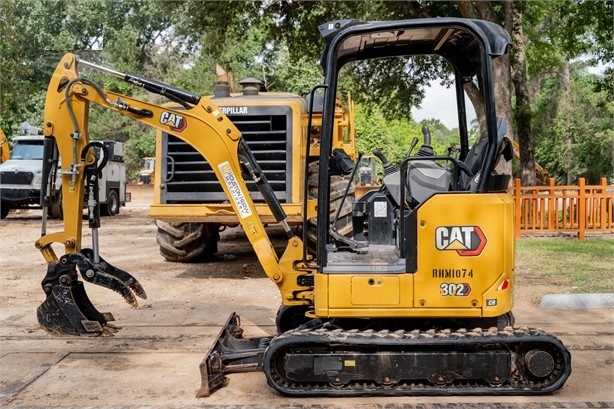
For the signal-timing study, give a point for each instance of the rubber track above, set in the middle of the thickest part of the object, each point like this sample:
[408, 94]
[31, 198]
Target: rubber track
[513, 339]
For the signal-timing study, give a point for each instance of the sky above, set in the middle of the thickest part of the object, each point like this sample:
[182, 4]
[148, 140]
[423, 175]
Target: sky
[440, 103]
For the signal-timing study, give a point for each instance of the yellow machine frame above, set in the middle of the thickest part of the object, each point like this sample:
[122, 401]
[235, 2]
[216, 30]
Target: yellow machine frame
[342, 294]
[399, 307]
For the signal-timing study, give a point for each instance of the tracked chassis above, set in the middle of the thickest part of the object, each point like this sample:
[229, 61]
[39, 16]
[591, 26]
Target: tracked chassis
[324, 362]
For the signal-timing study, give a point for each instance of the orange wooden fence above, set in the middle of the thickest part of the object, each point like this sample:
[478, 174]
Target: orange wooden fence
[578, 209]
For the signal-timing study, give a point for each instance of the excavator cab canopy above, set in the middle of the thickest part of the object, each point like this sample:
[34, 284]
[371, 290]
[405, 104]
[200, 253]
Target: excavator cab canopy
[463, 43]
[468, 45]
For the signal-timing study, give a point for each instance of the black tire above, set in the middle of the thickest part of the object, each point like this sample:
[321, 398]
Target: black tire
[111, 208]
[338, 185]
[56, 210]
[187, 242]
[4, 210]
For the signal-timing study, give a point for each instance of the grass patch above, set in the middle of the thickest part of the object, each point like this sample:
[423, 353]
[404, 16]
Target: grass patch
[587, 265]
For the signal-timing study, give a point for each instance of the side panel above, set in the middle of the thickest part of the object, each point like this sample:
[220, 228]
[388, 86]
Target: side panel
[465, 266]
[465, 253]
[363, 295]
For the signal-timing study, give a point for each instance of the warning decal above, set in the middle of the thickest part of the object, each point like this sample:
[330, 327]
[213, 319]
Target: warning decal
[235, 190]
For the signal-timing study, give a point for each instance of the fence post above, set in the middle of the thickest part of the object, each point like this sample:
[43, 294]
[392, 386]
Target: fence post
[517, 206]
[552, 205]
[603, 204]
[581, 207]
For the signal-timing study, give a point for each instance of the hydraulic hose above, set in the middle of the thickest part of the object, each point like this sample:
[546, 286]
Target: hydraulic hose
[264, 186]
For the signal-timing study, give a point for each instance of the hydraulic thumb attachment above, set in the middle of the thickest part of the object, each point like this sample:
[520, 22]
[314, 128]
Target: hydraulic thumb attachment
[67, 309]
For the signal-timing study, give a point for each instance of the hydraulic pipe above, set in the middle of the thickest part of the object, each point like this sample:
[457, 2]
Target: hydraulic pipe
[161, 88]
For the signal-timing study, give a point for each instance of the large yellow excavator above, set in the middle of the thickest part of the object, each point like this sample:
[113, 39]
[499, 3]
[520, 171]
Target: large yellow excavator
[417, 301]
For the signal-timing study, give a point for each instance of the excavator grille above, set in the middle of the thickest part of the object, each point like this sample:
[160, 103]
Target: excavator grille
[189, 178]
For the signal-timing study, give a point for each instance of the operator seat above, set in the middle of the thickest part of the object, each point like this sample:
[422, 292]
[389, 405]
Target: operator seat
[427, 178]
[476, 156]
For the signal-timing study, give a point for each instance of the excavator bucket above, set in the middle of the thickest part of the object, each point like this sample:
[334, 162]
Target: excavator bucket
[231, 353]
[67, 310]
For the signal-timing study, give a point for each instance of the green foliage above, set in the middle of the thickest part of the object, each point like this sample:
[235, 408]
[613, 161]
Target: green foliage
[561, 30]
[139, 145]
[394, 137]
[180, 42]
[574, 132]
[139, 140]
[393, 85]
[297, 74]
[374, 131]
[573, 123]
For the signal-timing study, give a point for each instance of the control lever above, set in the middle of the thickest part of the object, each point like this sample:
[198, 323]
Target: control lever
[427, 135]
[388, 166]
[426, 149]
[414, 142]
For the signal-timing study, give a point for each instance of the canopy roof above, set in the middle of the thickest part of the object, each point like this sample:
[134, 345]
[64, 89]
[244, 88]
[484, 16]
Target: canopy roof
[463, 42]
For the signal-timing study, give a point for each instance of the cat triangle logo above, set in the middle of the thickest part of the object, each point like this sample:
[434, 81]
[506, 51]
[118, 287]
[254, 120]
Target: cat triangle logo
[456, 245]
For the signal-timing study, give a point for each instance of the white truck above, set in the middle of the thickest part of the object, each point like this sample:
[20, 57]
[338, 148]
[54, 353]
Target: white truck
[21, 178]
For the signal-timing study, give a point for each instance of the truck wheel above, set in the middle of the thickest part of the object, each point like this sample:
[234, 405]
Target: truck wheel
[4, 210]
[187, 242]
[337, 188]
[111, 208]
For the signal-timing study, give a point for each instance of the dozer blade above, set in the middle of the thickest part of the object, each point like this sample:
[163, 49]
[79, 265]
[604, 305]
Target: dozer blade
[68, 311]
[230, 353]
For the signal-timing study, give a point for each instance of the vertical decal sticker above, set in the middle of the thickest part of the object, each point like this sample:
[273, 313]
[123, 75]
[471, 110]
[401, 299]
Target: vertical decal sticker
[235, 190]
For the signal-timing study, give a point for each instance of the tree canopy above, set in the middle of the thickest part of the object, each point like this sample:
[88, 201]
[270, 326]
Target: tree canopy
[560, 113]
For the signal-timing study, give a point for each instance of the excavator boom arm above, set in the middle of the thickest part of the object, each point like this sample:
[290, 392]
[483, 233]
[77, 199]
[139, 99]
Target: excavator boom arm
[197, 121]
[203, 126]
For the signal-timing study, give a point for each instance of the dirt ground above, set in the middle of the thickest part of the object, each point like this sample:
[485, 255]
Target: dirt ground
[153, 360]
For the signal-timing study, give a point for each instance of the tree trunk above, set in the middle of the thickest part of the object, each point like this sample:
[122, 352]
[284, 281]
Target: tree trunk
[501, 74]
[565, 106]
[523, 104]
[501, 65]
[477, 99]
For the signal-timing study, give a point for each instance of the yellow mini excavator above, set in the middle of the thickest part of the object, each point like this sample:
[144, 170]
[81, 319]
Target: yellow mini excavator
[417, 301]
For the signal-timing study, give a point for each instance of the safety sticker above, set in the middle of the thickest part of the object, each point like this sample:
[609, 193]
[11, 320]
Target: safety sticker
[235, 190]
